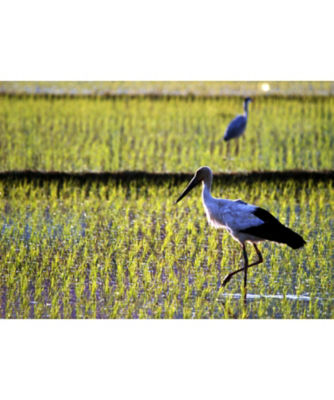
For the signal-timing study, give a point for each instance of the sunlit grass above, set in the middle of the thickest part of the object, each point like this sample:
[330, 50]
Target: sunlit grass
[164, 135]
[106, 251]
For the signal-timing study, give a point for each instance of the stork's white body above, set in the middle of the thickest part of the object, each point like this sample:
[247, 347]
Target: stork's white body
[245, 222]
[232, 215]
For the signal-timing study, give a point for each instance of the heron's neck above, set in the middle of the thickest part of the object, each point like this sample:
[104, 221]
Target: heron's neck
[246, 109]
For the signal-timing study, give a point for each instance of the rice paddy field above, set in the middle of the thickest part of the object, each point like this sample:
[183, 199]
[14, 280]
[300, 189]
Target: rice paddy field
[164, 135]
[115, 251]
[113, 248]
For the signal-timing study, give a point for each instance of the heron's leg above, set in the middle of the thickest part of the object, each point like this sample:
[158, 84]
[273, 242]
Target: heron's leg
[259, 261]
[237, 147]
[228, 149]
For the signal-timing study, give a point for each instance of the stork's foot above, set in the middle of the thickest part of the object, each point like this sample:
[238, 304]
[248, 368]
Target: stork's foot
[227, 279]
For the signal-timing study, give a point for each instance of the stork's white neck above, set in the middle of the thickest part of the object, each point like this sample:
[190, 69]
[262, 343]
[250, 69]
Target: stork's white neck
[206, 191]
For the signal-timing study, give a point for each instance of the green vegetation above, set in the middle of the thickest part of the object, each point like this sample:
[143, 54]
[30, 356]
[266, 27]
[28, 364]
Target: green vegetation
[166, 134]
[115, 247]
[117, 251]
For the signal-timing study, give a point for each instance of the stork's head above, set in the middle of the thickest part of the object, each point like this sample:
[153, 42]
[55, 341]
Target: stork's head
[248, 100]
[203, 174]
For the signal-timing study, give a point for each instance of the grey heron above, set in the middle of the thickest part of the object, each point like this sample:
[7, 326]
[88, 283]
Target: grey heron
[244, 222]
[238, 125]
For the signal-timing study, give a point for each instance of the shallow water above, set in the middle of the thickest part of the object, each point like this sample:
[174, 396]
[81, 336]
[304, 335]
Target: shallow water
[129, 254]
[250, 296]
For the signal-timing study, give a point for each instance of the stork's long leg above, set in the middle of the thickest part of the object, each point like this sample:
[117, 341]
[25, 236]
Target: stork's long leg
[259, 261]
[245, 265]
[245, 272]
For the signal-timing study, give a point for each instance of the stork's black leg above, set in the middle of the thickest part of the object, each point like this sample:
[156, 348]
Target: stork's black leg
[259, 261]
[245, 264]
[245, 271]
[258, 252]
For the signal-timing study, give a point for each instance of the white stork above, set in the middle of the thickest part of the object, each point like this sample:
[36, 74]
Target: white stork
[238, 125]
[245, 222]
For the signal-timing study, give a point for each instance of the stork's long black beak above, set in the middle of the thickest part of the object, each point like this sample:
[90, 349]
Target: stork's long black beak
[194, 182]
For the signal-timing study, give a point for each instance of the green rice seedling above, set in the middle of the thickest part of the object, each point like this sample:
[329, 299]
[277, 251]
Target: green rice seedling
[165, 134]
[102, 250]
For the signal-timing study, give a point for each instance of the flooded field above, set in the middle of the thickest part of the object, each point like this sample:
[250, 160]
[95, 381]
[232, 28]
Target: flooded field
[115, 245]
[168, 134]
[107, 250]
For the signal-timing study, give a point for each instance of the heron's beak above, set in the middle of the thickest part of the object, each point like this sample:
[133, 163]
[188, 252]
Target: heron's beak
[194, 182]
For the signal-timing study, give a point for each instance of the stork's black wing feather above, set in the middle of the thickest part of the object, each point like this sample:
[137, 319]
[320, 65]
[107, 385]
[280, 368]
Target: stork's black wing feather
[272, 229]
[265, 215]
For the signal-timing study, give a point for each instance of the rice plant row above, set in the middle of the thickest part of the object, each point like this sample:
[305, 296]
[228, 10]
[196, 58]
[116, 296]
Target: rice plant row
[164, 135]
[127, 251]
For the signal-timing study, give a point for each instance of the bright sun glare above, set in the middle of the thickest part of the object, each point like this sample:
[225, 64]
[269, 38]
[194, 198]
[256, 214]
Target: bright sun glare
[265, 87]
